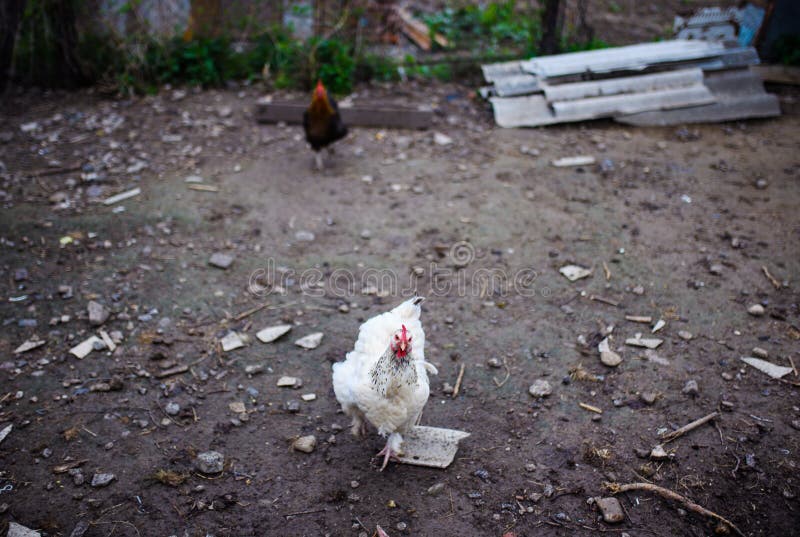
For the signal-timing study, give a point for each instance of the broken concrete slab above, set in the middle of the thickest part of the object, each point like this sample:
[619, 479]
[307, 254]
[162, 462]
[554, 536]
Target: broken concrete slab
[774, 371]
[431, 446]
[271, 333]
[310, 341]
[82, 349]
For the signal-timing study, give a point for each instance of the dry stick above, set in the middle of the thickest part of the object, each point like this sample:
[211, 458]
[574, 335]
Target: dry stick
[616, 488]
[604, 300]
[508, 374]
[775, 283]
[793, 366]
[686, 428]
[607, 271]
[458, 381]
[251, 311]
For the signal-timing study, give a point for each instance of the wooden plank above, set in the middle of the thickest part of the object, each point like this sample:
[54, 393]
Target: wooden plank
[418, 31]
[356, 116]
[611, 105]
[630, 58]
[615, 86]
[781, 74]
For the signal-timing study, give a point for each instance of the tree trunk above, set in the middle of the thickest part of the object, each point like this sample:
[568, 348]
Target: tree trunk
[10, 16]
[551, 27]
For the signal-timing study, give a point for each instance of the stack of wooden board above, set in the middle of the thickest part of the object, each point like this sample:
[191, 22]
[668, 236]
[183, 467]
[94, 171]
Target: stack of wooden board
[663, 83]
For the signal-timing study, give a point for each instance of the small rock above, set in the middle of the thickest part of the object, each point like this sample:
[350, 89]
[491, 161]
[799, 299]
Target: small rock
[530, 467]
[574, 272]
[611, 510]
[715, 269]
[80, 529]
[494, 363]
[221, 260]
[18, 530]
[271, 333]
[98, 314]
[210, 462]
[20, 274]
[344, 308]
[306, 444]
[796, 424]
[638, 290]
[292, 406]
[648, 398]
[610, 358]
[760, 353]
[435, 489]
[401, 526]
[685, 335]
[447, 388]
[310, 341]
[658, 453]
[224, 111]
[691, 388]
[102, 480]
[756, 310]
[726, 376]
[289, 382]
[237, 407]
[441, 139]
[308, 397]
[540, 388]
[231, 341]
[366, 234]
[761, 184]
[304, 236]
[254, 369]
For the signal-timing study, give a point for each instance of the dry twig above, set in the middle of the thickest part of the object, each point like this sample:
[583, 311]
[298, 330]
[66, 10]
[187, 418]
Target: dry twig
[669, 437]
[775, 283]
[616, 488]
[508, 374]
[458, 381]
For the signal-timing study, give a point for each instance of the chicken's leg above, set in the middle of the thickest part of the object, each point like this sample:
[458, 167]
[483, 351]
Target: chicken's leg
[392, 449]
[318, 160]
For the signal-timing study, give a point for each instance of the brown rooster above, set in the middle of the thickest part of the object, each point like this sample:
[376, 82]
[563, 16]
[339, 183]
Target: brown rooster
[322, 122]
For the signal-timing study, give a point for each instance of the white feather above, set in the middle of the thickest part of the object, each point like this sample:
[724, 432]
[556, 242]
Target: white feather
[401, 408]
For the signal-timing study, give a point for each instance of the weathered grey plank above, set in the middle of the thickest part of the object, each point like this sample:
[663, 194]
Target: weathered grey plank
[493, 71]
[731, 108]
[360, 116]
[520, 84]
[526, 111]
[612, 105]
[739, 93]
[615, 86]
[630, 58]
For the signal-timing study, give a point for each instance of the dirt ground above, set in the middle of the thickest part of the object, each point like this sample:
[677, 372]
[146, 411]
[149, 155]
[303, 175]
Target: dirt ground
[676, 224]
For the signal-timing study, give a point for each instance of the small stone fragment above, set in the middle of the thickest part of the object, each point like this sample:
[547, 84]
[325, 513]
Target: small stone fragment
[306, 444]
[540, 388]
[758, 352]
[756, 310]
[310, 341]
[690, 388]
[308, 397]
[231, 341]
[658, 453]
[210, 462]
[715, 269]
[172, 408]
[574, 272]
[648, 398]
[435, 489]
[289, 382]
[102, 480]
[611, 510]
[685, 335]
[237, 407]
[18, 530]
[271, 333]
[221, 260]
[98, 314]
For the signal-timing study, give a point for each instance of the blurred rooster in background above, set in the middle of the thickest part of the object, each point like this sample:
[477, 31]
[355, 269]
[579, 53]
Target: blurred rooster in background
[384, 379]
[322, 122]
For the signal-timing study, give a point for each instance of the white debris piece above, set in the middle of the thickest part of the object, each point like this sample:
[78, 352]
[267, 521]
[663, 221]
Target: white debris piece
[107, 340]
[82, 349]
[28, 345]
[581, 160]
[18, 530]
[648, 343]
[431, 446]
[122, 196]
[774, 371]
[661, 323]
[289, 382]
[307, 397]
[231, 341]
[310, 341]
[271, 333]
[574, 272]
[607, 356]
[5, 432]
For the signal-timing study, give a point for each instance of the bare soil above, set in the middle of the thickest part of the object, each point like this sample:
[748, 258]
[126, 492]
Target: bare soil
[668, 205]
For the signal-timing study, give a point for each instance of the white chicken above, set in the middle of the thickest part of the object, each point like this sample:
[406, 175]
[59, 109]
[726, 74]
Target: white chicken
[384, 379]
